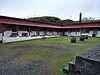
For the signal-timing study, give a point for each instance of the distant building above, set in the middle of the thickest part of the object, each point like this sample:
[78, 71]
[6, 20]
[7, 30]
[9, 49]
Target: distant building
[67, 21]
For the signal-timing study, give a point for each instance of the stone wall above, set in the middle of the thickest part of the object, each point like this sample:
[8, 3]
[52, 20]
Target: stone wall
[87, 63]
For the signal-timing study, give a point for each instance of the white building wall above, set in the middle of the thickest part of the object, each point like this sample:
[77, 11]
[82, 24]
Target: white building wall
[20, 32]
[49, 33]
[60, 33]
[0, 36]
[73, 33]
[66, 33]
[33, 33]
[78, 33]
[7, 33]
[13, 39]
[90, 33]
[41, 33]
[98, 34]
[55, 33]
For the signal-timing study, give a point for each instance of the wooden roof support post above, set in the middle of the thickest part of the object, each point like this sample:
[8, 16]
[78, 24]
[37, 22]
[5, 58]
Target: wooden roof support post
[75, 32]
[2, 30]
[80, 32]
[29, 30]
[63, 32]
[46, 31]
[57, 31]
[52, 31]
[69, 31]
[38, 31]
[17, 28]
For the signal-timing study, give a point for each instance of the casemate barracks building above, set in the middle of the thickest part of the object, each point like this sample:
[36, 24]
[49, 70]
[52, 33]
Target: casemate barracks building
[16, 29]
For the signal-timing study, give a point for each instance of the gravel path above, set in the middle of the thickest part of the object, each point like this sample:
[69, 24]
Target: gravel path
[33, 68]
[41, 47]
[37, 67]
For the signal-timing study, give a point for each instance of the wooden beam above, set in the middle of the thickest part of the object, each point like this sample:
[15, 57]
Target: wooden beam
[17, 28]
[29, 30]
[2, 29]
[38, 31]
[57, 31]
[46, 31]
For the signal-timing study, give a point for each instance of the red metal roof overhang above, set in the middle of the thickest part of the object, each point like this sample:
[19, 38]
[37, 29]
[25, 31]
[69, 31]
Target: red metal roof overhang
[95, 25]
[26, 23]
[15, 21]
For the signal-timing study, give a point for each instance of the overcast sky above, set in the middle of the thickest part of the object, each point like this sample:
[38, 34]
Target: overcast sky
[64, 9]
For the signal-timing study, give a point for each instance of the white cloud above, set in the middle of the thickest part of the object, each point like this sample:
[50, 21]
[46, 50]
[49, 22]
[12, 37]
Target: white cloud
[61, 8]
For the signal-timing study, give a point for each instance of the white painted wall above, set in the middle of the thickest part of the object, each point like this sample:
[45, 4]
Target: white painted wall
[49, 33]
[55, 33]
[13, 39]
[90, 33]
[41, 33]
[0, 36]
[60, 33]
[98, 34]
[66, 33]
[20, 32]
[32, 33]
[7, 33]
[78, 33]
[73, 33]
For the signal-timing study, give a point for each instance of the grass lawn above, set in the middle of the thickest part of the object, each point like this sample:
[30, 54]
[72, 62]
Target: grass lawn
[41, 57]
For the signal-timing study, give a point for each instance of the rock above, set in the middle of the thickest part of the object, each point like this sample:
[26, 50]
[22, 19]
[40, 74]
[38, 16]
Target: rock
[81, 38]
[73, 39]
[88, 63]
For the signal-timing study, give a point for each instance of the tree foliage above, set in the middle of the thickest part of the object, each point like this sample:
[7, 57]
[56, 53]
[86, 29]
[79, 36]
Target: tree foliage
[58, 21]
[46, 19]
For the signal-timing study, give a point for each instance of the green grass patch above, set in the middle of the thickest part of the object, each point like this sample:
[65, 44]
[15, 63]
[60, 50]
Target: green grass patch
[56, 53]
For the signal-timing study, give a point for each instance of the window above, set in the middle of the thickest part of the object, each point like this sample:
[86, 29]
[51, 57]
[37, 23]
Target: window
[13, 28]
[7, 27]
[87, 30]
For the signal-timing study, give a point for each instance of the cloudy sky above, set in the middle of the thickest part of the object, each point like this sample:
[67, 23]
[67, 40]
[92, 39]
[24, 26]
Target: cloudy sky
[64, 9]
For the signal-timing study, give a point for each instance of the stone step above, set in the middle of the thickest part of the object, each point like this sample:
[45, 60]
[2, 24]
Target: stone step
[69, 68]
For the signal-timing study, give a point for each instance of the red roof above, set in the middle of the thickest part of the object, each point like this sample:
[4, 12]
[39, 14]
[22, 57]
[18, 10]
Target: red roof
[17, 21]
[91, 25]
